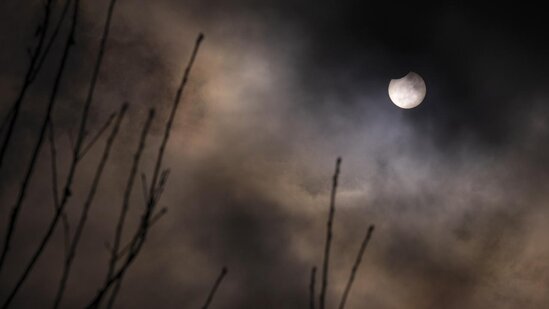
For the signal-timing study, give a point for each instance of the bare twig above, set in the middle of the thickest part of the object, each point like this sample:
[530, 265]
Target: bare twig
[51, 104]
[329, 237]
[100, 132]
[53, 154]
[356, 266]
[135, 247]
[6, 120]
[214, 288]
[87, 206]
[78, 145]
[163, 179]
[48, 46]
[55, 186]
[155, 191]
[118, 283]
[155, 218]
[144, 184]
[28, 80]
[126, 204]
[312, 288]
[171, 118]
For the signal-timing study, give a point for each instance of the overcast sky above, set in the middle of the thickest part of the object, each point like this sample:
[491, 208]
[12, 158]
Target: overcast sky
[457, 187]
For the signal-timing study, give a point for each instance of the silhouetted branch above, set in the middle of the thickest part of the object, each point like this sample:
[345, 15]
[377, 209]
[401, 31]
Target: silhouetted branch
[144, 185]
[155, 218]
[78, 145]
[329, 237]
[163, 179]
[312, 288]
[214, 288]
[6, 121]
[86, 148]
[87, 206]
[55, 32]
[154, 192]
[126, 204]
[171, 118]
[28, 80]
[55, 186]
[22, 192]
[53, 154]
[356, 266]
[134, 248]
[158, 216]
[118, 283]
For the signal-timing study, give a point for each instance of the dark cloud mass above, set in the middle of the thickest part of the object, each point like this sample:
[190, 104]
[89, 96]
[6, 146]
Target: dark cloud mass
[457, 188]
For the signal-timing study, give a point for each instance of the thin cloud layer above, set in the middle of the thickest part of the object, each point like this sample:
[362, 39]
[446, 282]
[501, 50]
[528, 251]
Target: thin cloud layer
[456, 188]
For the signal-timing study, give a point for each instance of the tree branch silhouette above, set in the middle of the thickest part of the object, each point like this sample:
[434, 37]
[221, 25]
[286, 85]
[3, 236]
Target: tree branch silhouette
[356, 266]
[215, 287]
[55, 186]
[312, 288]
[157, 185]
[87, 206]
[96, 137]
[30, 169]
[331, 214]
[28, 79]
[76, 150]
[125, 205]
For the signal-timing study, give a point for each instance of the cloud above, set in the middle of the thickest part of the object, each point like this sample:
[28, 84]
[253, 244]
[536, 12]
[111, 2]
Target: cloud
[456, 188]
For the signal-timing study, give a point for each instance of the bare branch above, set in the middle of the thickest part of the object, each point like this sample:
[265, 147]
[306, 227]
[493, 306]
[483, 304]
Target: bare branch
[329, 237]
[28, 80]
[171, 118]
[215, 287]
[100, 132]
[155, 191]
[87, 206]
[144, 184]
[312, 288]
[126, 204]
[163, 180]
[6, 120]
[48, 46]
[356, 266]
[155, 218]
[74, 163]
[55, 187]
[30, 169]
[53, 155]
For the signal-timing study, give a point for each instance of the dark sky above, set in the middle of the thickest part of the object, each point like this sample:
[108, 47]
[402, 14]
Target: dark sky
[457, 187]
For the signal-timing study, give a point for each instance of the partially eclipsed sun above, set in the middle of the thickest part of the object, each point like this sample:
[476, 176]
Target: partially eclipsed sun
[407, 92]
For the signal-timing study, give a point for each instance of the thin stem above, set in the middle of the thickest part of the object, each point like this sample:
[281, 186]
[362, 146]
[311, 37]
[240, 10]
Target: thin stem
[171, 118]
[55, 32]
[144, 185]
[6, 120]
[100, 132]
[28, 80]
[55, 186]
[126, 248]
[53, 154]
[356, 266]
[126, 203]
[215, 287]
[79, 141]
[87, 205]
[135, 247]
[312, 288]
[30, 169]
[329, 237]
[155, 192]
